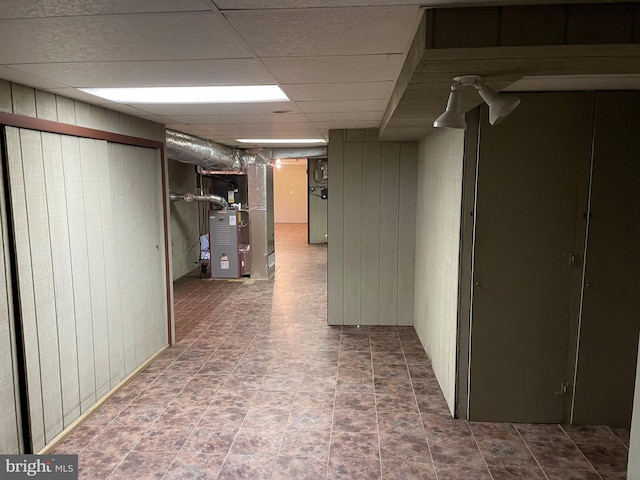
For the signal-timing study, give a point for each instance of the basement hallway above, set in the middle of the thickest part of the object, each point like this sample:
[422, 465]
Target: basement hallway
[259, 387]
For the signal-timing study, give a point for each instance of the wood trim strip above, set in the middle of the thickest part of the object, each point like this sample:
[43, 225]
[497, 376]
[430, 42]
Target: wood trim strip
[39, 124]
[165, 216]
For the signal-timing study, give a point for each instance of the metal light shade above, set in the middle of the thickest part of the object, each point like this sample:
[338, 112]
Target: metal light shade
[500, 106]
[452, 116]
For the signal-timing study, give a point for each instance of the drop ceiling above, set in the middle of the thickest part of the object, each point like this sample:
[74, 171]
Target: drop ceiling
[338, 61]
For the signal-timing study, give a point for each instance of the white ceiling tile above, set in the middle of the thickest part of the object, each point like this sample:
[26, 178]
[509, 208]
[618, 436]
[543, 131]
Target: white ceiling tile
[352, 68]
[263, 108]
[236, 134]
[331, 31]
[287, 128]
[155, 118]
[258, 4]
[60, 8]
[13, 75]
[160, 36]
[339, 91]
[343, 106]
[264, 126]
[285, 4]
[256, 119]
[80, 95]
[345, 117]
[245, 71]
[337, 125]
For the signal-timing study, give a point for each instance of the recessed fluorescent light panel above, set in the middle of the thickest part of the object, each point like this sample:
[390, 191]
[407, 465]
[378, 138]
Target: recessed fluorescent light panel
[280, 140]
[218, 94]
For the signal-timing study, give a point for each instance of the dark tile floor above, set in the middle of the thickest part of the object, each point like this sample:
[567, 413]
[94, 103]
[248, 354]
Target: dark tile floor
[259, 387]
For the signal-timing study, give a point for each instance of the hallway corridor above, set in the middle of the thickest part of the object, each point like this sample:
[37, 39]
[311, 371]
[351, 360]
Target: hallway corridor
[259, 387]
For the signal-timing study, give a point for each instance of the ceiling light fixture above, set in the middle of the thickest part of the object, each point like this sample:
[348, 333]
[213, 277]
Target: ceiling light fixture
[259, 141]
[452, 117]
[212, 94]
[500, 105]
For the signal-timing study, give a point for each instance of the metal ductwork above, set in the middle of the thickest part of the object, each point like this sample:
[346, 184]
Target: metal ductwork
[194, 197]
[213, 156]
[198, 151]
[282, 153]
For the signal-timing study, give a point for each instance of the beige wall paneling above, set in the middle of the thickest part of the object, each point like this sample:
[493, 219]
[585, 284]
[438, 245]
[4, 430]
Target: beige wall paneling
[62, 276]
[364, 216]
[352, 239]
[120, 201]
[66, 110]
[33, 158]
[6, 104]
[136, 203]
[125, 122]
[143, 197]
[372, 196]
[129, 239]
[153, 246]
[10, 428]
[610, 320]
[407, 231]
[95, 243]
[46, 105]
[26, 282]
[185, 223]
[24, 100]
[317, 207]
[42, 271]
[113, 121]
[436, 259]
[80, 266]
[158, 273]
[110, 251]
[83, 114]
[98, 118]
[390, 188]
[335, 225]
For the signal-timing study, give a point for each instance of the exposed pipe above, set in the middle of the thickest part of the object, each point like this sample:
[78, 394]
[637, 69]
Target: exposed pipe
[305, 152]
[199, 151]
[207, 197]
[213, 156]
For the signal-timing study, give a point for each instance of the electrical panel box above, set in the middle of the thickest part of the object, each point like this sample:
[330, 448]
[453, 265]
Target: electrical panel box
[223, 245]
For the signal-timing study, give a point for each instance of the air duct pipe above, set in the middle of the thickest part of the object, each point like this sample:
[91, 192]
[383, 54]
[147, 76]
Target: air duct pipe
[282, 153]
[207, 197]
[199, 151]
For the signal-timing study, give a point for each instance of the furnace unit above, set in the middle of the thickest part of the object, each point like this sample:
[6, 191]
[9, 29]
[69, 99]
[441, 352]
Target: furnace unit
[224, 246]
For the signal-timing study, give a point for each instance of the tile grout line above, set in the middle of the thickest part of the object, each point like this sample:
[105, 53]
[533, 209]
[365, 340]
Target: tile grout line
[580, 450]
[475, 440]
[530, 451]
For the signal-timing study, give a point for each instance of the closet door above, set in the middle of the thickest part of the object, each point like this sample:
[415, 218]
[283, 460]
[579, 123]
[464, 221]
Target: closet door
[527, 193]
[610, 322]
[10, 432]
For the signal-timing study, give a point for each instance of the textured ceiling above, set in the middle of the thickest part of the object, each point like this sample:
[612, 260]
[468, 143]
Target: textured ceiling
[342, 63]
[337, 61]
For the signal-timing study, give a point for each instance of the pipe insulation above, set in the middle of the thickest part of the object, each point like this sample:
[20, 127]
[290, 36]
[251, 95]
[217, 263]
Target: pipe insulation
[194, 197]
[199, 151]
[212, 156]
[290, 152]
